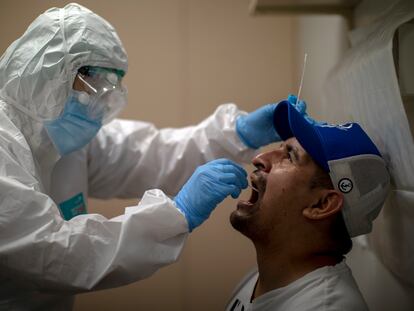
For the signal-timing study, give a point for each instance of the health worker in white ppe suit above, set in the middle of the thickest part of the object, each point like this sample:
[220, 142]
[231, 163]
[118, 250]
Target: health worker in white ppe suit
[60, 89]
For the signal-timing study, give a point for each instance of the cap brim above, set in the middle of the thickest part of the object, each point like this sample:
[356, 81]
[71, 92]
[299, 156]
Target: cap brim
[288, 122]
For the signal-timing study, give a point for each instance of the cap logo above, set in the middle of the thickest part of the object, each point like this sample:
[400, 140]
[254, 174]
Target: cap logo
[345, 126]
[345, 185]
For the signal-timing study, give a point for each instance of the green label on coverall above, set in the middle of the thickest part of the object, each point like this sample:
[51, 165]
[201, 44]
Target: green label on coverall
[73, 207]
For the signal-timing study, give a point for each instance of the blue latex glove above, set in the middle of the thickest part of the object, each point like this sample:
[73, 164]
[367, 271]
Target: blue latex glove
[256, 128]
[301, 107]
[210, 184]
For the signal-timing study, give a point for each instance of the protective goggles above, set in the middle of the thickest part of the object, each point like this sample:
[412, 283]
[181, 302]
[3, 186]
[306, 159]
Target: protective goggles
[101, 91]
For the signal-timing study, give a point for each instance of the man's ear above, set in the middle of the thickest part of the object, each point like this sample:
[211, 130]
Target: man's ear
[329, 202]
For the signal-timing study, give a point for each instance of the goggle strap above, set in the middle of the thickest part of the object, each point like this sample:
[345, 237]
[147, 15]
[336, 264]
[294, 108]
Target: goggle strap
[92, 70]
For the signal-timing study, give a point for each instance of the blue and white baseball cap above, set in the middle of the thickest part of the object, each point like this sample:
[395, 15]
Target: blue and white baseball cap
[352, 160]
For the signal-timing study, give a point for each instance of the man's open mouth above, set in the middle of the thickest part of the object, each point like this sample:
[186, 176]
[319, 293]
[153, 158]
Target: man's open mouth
[257, 189]
[254, 196]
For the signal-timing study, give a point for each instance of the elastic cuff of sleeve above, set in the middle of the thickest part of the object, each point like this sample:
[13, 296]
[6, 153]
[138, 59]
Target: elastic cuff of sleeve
[241, 136]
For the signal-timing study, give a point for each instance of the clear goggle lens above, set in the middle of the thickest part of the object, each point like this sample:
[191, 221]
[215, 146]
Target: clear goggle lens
[101, 91]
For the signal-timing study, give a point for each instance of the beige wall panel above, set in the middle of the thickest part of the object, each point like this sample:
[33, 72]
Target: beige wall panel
[186, 57]
[233, 57]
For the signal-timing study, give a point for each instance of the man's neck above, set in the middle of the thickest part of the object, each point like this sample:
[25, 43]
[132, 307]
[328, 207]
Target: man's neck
[281, 269]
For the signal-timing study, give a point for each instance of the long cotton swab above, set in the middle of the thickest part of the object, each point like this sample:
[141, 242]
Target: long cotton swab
[301, 78]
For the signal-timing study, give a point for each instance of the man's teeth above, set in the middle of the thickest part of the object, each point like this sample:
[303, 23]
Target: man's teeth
[253, 187]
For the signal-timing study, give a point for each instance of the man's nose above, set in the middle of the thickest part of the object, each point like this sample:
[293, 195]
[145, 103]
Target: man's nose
[263, 161]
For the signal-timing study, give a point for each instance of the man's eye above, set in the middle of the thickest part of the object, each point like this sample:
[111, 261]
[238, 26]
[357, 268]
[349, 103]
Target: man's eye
[289, 155]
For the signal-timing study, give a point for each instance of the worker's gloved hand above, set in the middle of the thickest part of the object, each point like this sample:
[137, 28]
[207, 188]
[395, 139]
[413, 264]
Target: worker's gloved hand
[256, 128]
[210, 184]
[301, 107]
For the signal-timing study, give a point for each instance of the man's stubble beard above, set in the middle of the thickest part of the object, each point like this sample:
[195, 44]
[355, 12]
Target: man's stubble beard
[248, 226]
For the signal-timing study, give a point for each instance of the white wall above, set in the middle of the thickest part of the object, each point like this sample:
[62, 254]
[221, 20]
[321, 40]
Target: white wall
[324, 38]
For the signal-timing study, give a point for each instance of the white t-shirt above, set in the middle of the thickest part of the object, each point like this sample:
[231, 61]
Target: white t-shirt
[325, 289]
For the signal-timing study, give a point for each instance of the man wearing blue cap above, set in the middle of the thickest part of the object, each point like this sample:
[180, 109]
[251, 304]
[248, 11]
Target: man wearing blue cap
[321, 186]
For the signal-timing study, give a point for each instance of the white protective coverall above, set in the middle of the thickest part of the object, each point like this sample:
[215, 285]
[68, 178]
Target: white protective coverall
[44, 259]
